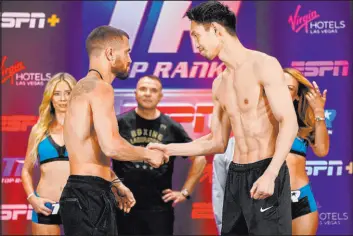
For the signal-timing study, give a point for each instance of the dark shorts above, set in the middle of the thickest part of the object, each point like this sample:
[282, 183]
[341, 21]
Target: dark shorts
[244, 215]
[303, 201]
[88, 207]
[142, 222]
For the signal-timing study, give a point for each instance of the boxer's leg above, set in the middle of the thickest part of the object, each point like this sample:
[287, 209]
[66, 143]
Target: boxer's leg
[272, 215]
[130, 223]
[86, 207]
[233, 221]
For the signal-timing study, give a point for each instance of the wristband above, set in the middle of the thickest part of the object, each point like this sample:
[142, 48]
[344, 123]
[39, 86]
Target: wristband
[319, 118]
[30, 195]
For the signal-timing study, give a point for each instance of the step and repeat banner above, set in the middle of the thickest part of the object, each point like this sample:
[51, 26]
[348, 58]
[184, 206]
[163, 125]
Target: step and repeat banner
[42, 38]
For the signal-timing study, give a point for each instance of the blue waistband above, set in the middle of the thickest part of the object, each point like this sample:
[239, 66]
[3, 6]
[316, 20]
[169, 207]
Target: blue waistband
[305, 191]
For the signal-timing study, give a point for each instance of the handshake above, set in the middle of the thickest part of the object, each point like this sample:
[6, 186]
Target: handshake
[157, 154]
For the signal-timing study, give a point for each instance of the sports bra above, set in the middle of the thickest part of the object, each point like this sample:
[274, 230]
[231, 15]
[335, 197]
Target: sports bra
[49, 150]
[299, 146]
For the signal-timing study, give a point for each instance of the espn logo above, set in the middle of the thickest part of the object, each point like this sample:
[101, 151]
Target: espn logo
[16, 19]
[190, 107]
[197, 114]
[328, 168]
[33, 19]
[15, 211]
[321, 68]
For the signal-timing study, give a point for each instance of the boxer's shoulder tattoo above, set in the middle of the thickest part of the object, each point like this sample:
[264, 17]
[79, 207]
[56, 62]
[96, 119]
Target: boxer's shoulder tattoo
[84, 86]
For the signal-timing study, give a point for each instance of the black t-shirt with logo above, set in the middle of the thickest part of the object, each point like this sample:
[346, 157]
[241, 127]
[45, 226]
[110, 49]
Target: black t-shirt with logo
[146, 182]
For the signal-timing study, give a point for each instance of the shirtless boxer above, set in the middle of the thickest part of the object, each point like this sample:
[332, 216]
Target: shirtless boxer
[251, 98]
[91, 138]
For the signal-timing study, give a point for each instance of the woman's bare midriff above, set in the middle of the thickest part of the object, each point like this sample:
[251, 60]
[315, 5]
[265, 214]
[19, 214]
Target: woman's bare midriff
[297, 172]
[53, 179]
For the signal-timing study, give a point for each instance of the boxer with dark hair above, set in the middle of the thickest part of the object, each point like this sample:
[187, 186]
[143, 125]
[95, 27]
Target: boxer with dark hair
[250, 98]
[309, 105]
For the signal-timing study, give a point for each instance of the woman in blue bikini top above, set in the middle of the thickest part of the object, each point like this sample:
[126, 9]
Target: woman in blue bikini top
[46, 145]
[309, 104]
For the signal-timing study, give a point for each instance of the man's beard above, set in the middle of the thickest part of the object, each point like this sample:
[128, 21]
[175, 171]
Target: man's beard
[120, 74]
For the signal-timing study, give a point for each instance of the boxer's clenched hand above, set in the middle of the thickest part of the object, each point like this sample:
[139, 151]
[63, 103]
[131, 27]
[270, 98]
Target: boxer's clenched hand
[264, 186]
[124, 197]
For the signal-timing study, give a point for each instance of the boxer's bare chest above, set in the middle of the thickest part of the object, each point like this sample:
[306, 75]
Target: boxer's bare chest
[239, 91]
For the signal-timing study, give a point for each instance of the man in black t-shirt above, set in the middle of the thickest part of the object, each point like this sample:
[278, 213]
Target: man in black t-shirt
[152, 187]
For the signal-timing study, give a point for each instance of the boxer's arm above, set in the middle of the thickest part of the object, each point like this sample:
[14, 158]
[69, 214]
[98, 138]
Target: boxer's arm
[272, 78]
[215, 142]
[105, 123]
[115, 179]
[205, 137]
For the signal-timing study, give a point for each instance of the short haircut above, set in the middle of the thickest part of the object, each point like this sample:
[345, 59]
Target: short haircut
[102, 35]
[213, 11]
[153, 77]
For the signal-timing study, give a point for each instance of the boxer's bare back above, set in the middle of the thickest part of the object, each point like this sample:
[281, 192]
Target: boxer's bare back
[91, 133]
[253, 114]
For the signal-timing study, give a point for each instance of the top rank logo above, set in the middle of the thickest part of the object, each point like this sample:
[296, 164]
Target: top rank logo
[310, 25]
[31, 20]
[163, 18]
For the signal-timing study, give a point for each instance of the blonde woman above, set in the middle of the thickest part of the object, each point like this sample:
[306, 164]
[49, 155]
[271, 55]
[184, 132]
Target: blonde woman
[46, 145]
[309, 105]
